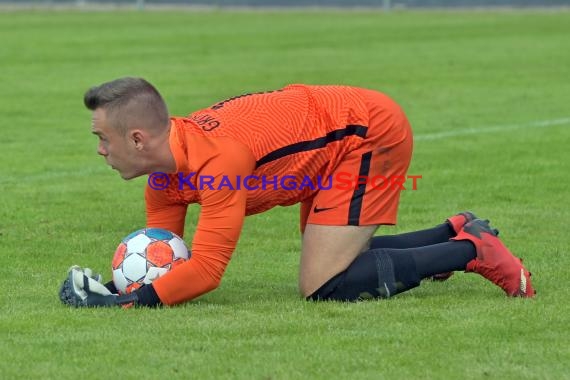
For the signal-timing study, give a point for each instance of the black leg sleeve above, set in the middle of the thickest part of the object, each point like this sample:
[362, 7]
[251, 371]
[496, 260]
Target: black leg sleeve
[373, 274]
[384, 272]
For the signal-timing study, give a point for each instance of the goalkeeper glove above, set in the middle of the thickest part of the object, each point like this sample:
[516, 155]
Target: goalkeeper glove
[83, 288]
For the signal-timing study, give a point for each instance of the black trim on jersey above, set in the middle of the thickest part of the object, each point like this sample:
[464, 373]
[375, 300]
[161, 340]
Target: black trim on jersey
[321, 142]
[223, 102]
[356, 201]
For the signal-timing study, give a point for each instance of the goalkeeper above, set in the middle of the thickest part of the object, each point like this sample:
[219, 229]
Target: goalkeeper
[301, 131]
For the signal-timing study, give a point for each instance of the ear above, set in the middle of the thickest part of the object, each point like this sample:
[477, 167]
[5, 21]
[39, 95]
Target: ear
[138, 138]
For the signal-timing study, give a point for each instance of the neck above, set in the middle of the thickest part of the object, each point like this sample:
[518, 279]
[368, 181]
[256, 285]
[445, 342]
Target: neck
[164, 159]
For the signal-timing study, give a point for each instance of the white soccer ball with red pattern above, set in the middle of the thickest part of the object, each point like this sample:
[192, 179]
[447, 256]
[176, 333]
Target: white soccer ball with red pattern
[145, 255]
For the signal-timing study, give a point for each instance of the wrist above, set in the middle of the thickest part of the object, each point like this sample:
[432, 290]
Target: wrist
[111, 286]
[147, 296]
[143, 296]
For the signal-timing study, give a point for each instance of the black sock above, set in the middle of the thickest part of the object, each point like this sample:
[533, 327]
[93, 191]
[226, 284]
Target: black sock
[385, 272]
[440, 258]
[438, 234]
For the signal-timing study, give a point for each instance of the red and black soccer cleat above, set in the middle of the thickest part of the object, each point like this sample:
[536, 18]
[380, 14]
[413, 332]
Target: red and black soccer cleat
[456, 222]
[494, 261]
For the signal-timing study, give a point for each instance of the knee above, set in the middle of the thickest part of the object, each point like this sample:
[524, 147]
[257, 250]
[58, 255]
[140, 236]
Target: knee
[306, 288]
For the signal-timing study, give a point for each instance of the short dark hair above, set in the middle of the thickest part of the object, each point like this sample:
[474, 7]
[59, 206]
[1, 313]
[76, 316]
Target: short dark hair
[127, 99]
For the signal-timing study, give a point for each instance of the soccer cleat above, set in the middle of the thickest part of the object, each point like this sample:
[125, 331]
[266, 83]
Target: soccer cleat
[458, 221]
[494, 261]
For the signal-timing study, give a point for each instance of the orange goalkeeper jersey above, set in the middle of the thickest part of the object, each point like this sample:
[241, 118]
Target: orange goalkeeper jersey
[243, 156]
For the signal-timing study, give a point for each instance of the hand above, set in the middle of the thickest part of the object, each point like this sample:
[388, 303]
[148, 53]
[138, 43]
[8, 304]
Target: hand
[95, 276]
[83, 288]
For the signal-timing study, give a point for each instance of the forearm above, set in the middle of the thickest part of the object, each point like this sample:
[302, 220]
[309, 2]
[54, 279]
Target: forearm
[190, 280]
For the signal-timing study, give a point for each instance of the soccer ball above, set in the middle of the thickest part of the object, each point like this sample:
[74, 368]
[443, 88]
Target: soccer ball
[145, 255]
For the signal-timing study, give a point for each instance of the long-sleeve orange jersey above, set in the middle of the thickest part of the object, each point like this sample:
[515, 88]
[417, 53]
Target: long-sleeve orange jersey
[299, 131]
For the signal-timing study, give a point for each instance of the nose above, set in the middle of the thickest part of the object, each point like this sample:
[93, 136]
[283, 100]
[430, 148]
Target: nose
[101, 151]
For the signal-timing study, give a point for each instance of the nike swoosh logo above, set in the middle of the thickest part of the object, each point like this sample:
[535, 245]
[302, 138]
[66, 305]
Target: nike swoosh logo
[316, 209]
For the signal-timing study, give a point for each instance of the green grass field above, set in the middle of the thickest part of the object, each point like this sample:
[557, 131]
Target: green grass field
[488, 95]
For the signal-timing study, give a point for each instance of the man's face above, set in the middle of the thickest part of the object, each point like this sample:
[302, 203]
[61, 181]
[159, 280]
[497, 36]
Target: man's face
[120, 151]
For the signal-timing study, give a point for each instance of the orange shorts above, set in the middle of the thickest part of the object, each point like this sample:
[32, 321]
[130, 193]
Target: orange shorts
[366, 184]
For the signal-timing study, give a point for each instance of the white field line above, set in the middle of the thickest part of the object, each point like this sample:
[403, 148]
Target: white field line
[52, 176]
[491, 129]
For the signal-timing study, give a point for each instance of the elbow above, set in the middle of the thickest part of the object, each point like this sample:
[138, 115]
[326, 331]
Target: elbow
[213, 284]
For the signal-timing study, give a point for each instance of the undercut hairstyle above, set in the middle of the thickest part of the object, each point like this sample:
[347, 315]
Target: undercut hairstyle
[129, 102]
